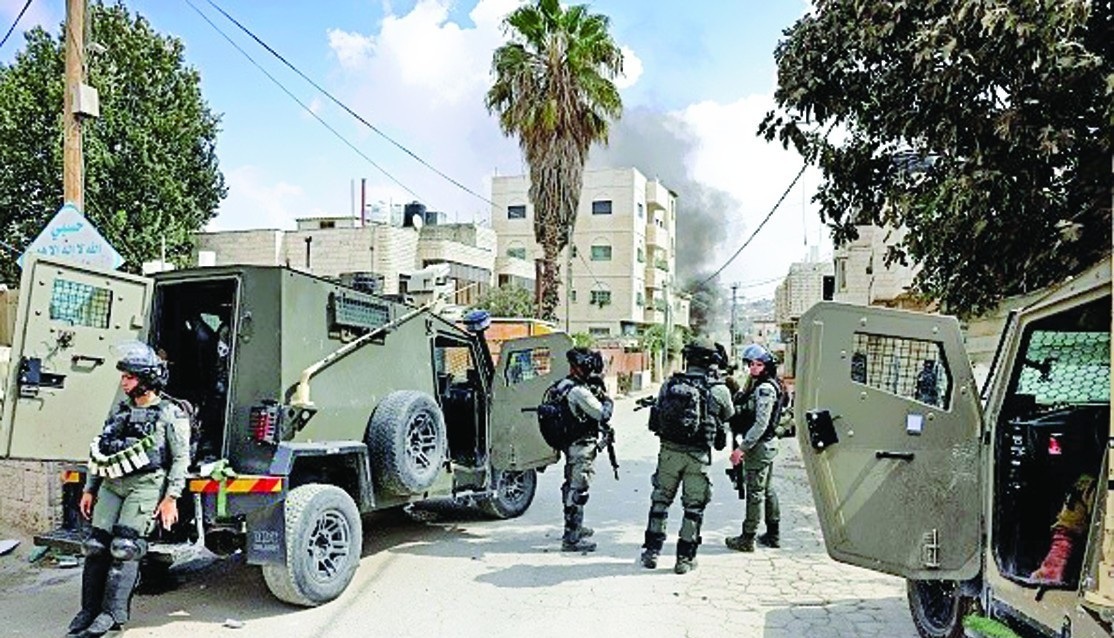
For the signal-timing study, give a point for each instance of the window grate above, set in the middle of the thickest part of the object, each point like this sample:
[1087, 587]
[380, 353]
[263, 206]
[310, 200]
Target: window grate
[80, 304]
[1067, 367]
[352, 312]
[523, 365]
[905, 367]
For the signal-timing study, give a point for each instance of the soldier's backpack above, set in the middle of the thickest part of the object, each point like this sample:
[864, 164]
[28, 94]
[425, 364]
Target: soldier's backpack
[681, 409]
[554, 416]
[195, 422]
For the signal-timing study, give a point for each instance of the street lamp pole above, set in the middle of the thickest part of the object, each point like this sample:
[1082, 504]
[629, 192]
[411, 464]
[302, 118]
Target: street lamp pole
[73, 179]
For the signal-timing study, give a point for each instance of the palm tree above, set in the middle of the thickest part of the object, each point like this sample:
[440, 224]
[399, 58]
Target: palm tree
[553, 90]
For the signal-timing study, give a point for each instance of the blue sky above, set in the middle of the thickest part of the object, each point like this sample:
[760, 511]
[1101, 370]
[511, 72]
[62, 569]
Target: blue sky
[417, 69]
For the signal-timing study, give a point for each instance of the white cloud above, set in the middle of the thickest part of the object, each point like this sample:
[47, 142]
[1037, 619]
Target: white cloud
[255, 202]
[730, 156]
[632, 69]
[351, 49]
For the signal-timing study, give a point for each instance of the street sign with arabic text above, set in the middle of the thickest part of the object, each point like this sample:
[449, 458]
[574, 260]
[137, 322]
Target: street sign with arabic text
[71, 236]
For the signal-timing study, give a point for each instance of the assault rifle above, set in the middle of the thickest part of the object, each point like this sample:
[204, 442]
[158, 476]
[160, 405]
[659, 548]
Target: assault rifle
[738, 480]
[645, 402]
[608, 441]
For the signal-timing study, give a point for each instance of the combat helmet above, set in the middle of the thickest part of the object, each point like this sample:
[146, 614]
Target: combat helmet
[148, 367]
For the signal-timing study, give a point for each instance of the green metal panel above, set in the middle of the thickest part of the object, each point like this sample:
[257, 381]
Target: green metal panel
[900, 491]
[526, 368]
[69, 318]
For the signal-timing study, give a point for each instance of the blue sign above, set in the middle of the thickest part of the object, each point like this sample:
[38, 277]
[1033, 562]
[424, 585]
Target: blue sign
[70, 236]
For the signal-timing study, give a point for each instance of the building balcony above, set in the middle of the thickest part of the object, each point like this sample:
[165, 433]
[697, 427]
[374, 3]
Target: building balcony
[649, 315]
[657, 196]
[656, 277]
[657, 236]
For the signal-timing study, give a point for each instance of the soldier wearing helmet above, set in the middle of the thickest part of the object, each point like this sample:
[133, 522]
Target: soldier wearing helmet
[688, 417]
[137, 469]
[756, 447]
[585, 409]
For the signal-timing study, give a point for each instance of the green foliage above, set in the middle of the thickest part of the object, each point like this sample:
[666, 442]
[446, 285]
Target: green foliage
[151, 169]
[983, 128]
[583, 340]
[507, 301]
[553, 90]
[652, 339]
[988, 627]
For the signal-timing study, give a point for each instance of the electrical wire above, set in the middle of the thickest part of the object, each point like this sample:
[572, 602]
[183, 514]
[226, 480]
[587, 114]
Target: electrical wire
[12, 28]
[345, 107]
[300, 103]
[765, 219]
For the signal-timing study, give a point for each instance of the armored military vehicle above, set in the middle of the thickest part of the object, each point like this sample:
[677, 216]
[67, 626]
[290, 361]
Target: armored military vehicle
[979, 500]
[316, 403]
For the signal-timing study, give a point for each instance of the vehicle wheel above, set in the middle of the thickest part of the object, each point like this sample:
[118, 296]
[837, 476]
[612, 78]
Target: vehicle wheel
[324, 536]
[511, 495]
[406, 442]
[938, 607]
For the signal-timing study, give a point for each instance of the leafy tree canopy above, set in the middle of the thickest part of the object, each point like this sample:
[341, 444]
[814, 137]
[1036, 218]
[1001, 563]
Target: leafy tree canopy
[151, 173]
[982, 127]
[507, 301]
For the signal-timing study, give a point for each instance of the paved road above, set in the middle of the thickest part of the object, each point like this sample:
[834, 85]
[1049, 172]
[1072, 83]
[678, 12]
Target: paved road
[450, 573]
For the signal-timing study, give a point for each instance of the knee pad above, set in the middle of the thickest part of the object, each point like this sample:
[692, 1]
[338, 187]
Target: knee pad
[694, 516]
[97, 544]
[127, 544]
[580, 497]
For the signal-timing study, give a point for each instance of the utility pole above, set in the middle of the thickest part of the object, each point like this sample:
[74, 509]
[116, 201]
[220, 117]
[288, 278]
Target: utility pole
[668, 330]
[73, 178]
[734, 289]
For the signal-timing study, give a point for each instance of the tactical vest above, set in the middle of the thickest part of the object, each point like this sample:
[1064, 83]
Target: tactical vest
[131, 442]
[750, 410]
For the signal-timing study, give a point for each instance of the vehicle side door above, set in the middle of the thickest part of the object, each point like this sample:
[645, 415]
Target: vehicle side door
[526, 368]
[63, 379]
[889, 422]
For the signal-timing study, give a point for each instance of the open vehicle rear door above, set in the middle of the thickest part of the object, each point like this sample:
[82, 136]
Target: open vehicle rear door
[889, 423]
[525, 369]
[63, 378]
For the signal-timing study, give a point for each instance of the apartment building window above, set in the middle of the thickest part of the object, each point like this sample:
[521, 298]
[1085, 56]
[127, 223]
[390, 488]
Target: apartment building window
[516, 212]
[640, 255]
[601, 298]
[601, 207]
[641, 212]
[841, 274]
[572, 296]
[601, 252]
[597, 331]
[639, 300]
[518, 252]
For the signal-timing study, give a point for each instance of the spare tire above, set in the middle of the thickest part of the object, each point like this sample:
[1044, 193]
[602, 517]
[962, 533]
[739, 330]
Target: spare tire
[406, 442]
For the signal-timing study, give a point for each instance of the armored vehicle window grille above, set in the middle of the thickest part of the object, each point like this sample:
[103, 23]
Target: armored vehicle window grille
[1066, 367]
[905, 367]
[359, 313]
[455, 360]
[80, 304]
[523, 365]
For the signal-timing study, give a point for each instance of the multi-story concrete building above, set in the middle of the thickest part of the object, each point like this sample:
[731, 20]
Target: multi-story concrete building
[862, 276]
[388, 254]
[799, 291]
[623, 259]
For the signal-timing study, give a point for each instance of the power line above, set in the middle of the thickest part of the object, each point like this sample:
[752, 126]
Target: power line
[770, 214]
[345, 107]
[300, 103]
[12, 28]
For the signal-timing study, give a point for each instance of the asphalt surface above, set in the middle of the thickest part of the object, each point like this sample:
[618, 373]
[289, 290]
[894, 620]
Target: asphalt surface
[445, 571]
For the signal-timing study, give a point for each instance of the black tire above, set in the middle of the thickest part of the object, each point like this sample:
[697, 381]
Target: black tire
[512, 492]
[324, 536]
[406, 442]
[938, 607]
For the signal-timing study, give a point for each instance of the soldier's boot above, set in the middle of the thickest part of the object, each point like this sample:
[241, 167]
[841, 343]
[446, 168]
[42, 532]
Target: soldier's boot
[741, 543]
[585, 532]
[573, 539]
[686, 557]
[123, 576]
[1051, 570]
[93, 576]
[651, 549]
[772, 537]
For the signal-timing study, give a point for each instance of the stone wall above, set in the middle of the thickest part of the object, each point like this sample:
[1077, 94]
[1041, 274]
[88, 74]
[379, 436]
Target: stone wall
[30, 495]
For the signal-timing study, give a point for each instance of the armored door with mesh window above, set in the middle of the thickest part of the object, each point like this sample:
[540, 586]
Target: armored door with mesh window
[889, 423]
[62, 379]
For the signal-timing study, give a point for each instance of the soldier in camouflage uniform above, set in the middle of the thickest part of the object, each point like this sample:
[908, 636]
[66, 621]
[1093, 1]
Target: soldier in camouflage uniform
[588, 407]
[683, 464]
[137, 470]
[756, 448]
